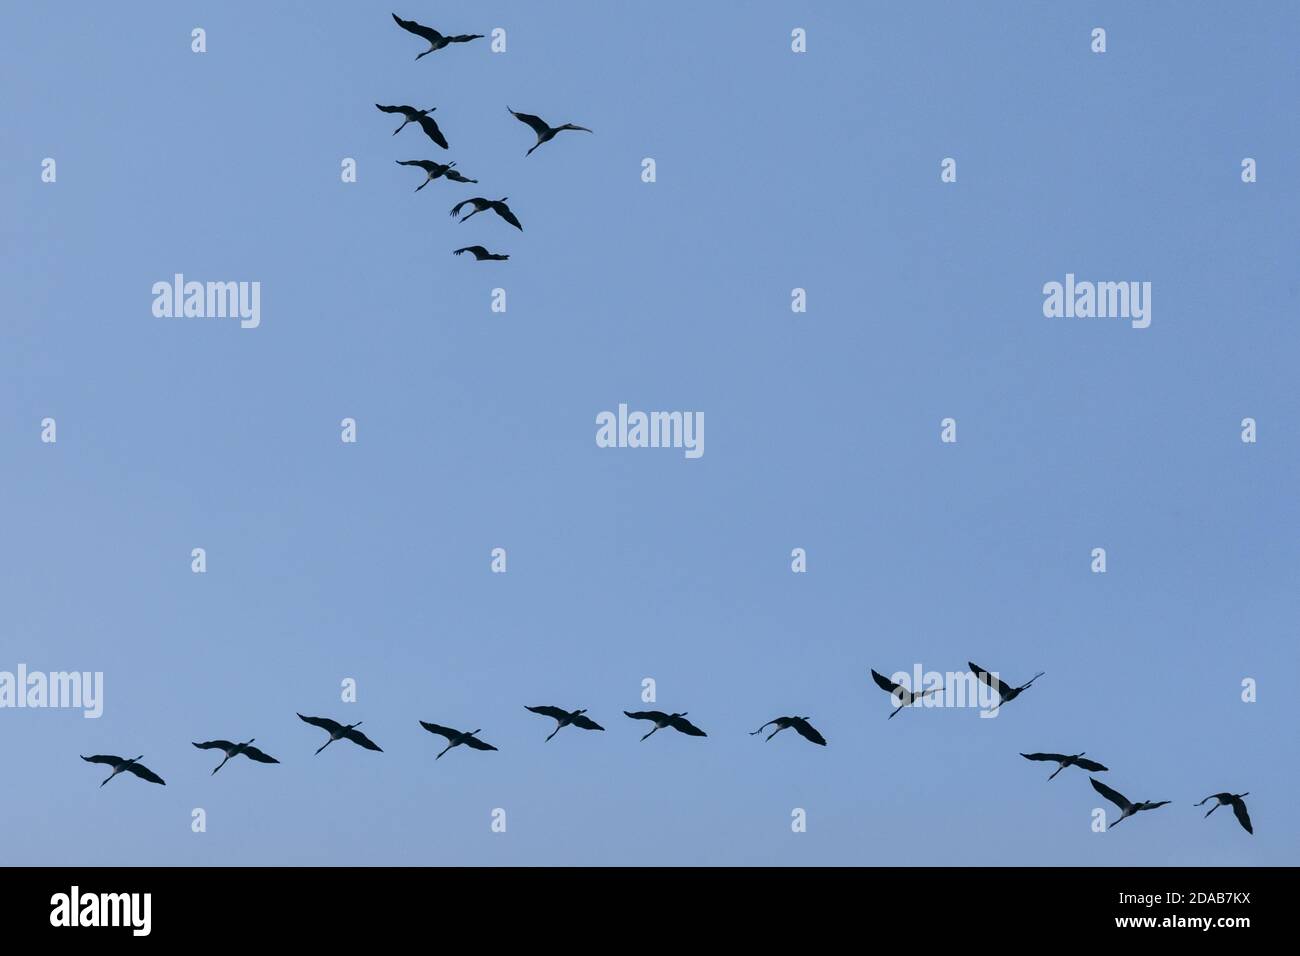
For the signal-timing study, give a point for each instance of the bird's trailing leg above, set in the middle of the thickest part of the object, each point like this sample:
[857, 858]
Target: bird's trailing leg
[400, 128]
[1212, 809]
[223, 762]
[555, 731]
[775, 732]
[1057, 770]
[444, 750]
[651, 732]
[325, 744]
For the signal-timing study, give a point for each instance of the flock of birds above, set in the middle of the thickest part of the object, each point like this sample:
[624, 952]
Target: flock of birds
[435, 170]
[899, 695]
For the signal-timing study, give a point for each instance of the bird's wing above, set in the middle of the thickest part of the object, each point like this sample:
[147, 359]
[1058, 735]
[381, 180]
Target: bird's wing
[456, 177]
[144, 773]
[428, 165]
[464, 37]
[431, 130]
[686, 727]
[214, 745]
[548, 711]
[102, 758]
[586, 723]
[252, 753]
[357, 737]
[502, 210]
[997, 683]
[448, 732]
[1239, 808]
[1152, 806]
[808, 731]
[574, 126]
[645, 714]
[1114, 796]
[884, 683]
[392, 109]
[324, 723]
[478, 744]
[455, 211]
[536, 122]
[1091, 765]
[1056, 757]
[419, 29]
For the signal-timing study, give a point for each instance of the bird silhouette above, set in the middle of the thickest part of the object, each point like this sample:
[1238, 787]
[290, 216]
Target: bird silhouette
[1006, 693]
[418, 116]
[234, 750]
[436, 40]
[120, 764]
[480, 253]
[1238, 807]
[902, 696]
[544, 132]
[661, 720]
[456, 737]
[339, 731]
[1068, 760]
[1126, 806]
[563, 718]
[806, 730]
[498, 206]
[434, 170]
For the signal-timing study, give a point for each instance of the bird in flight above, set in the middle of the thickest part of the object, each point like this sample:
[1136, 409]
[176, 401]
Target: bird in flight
[902, 696]
[544, 132]
[436, 40]
[234, 750]
[121, 763]
[806, 730]
[339, 731]
[1127, 808]
[434, 170]
[563, 718]
[1238, 807]
[418, 116]
[1006, 693]
[661, 720]
[1068, 760]
[456, 738]
[480, 253]
[498, 206]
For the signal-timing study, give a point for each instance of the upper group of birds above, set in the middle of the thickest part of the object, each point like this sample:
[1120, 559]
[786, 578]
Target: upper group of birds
[900, 696]
[435, 170]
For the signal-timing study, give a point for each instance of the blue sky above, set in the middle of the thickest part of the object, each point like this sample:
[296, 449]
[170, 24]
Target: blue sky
[476, 430]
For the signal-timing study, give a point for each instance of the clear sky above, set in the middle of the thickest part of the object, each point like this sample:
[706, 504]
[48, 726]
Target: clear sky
[476, 430]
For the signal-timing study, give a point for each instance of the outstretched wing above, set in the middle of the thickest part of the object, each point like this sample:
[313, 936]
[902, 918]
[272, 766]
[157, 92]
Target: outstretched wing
[215, 745]
[1151, 806]
[1057, 757]
[144, 773]
[456, 177]
[997, 683]
[449, 732]
[419, 29]
[431, 130]
[884, 683]
[1239, 808]
[455, 211]
[478, 252]
[1114, 796]
[808, 731]
[252, 753]
[502, 210]
[686, 727]
[392, 109]
[464, 37]
[324, 723]
[428, 165]
[102, 758]
[536, 122]
[586, 723]
[548, 711]
[1091, 765]
[357, 737]
[478, 744]
[655, 715]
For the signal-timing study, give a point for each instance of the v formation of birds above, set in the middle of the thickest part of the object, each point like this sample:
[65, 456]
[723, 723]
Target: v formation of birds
[901, 696]
[448, 171]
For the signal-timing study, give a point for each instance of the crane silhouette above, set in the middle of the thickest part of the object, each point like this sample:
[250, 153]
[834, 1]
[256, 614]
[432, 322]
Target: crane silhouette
[805, 730]
[434, 170]
[1126, 806]
[339, 731]
[1006, 693]
[902, 696]
[563, 718]
[456, 737]
[234, 750]
[544, 132]
[480, 253]
[498, 206]
[436, 40]
[418, 116]
[1068, 760]
[661, 720]
[1238, 807]
[120, 764]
